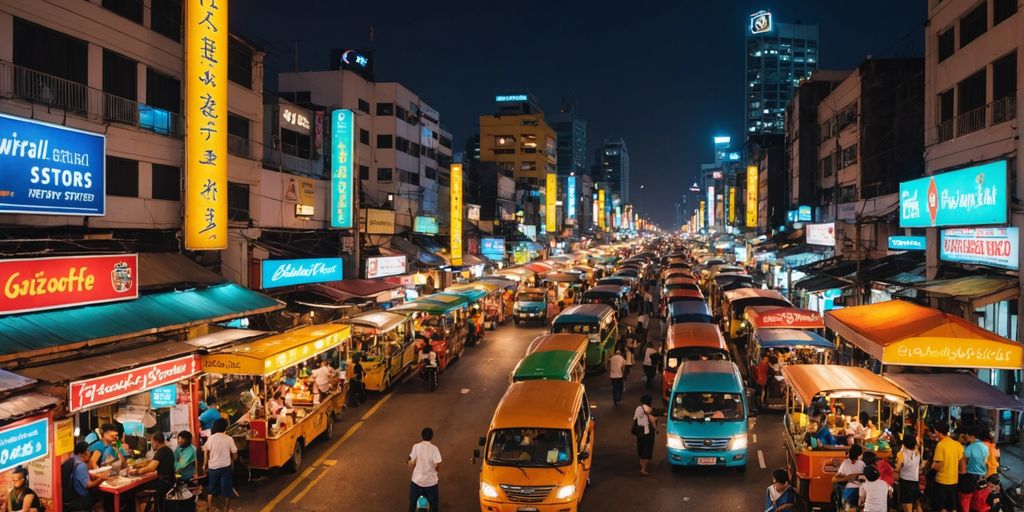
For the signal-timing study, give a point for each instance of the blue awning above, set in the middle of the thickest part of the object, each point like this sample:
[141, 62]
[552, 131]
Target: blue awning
[789, 338]
[149, 314]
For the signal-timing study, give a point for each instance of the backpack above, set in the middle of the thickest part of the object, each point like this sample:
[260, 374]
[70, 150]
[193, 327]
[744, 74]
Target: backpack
[67, 483]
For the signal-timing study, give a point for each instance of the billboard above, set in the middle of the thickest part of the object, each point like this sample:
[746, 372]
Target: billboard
[752, 185]
[821, 234]
[973, 196]
[493, 248]
[907, 243]
[570, 197]
[711, 206]
[761, 22]
[994, 247]
[732, 205]
[384, 266]
[425, 225]
[803, 214]
[342, 181]
[601, 209]
[550, 200]
[379, 222]
[277, 273]
[36, 284]
[206, 126]
[46, 169]
[455, 230]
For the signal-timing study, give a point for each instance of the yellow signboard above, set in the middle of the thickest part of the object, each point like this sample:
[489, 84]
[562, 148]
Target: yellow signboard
[752, 185]
[63, 436]
[550, 196]
[206, 124]
[600, 209]
[732, 205]
[456, 214]
[953, 353]
[700, 213]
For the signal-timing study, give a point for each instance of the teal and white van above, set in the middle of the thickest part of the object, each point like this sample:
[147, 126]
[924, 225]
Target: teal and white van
[707, 416]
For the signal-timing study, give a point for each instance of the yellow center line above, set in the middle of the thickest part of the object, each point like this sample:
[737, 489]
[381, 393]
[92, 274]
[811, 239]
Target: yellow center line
[272, 504]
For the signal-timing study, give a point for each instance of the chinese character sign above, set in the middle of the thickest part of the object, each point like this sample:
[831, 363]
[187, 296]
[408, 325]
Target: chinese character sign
[732, 205]
[342, 137]
[752, 185]
[206, 131]
[550, 196]
[600, 209]
[456, 214]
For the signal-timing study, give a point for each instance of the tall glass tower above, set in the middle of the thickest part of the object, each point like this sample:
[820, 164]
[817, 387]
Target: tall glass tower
[778, 56]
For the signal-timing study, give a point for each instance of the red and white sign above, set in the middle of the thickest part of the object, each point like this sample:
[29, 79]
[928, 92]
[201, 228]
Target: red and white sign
[83, 394]
[784, 318]
[35, 284]
[821, 234]
[385, 266]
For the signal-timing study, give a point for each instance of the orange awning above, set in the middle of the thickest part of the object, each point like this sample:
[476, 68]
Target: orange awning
[810, 380]
[902, 333]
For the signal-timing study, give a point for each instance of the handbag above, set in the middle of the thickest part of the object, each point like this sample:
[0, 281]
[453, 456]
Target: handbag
[636, 430]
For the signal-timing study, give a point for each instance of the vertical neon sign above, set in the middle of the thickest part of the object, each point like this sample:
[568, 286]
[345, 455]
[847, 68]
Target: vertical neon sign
[455, 230]
[342, 137]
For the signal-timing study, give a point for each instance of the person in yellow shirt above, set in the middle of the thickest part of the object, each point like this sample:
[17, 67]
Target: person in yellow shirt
[992, 462]
[946, 463]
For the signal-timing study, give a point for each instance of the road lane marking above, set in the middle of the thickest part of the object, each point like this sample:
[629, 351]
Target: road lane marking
[272, 504]
[760, 459]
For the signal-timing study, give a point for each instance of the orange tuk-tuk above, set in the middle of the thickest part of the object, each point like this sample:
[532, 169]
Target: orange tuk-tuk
[442, 320]
[691, 341]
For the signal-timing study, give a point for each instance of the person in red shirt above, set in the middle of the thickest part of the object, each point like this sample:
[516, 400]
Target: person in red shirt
[761, 378]
[885, 471]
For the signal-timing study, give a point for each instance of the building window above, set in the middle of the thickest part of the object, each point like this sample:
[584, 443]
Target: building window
[974, 24]
[166, 182]
[122, 177]
[849, 156]
[238, 202]
[384, 174]
[410, 178]
[1002, 10]
[971, 92]
[238, 135]
[295, 143]
[120, 75]
[430, 173]
[446, 142]
[528, 166]
[364, 172]
[947, 44]
[239, 63]
[827, 166]
[1004, 88]
[165, 18]
[131, 9]
[53, 53]
[500, 151]
[385, 109]
[162, 91]
[364, 105]
[364, 136]
[385, 141]
[401, 113]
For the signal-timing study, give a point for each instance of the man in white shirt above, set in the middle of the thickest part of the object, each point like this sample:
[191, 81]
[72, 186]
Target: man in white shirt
[874, 494]
[221, 453]
[322, 376]
[649, 365]
[424, 460]
[616, 365]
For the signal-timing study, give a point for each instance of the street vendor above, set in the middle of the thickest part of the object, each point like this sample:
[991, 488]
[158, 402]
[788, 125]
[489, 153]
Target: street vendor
[210, 413]
[322, 377]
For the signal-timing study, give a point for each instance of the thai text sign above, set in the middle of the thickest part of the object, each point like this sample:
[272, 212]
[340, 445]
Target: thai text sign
[24, 443]
[968, 197]
[51, 170]
[35, 284]
[163, 396]
[570, 197]
[786, 318]
[493, 248]
[384, 266]
[550, 198]
[378, 222]
[342, 181]
[600, 209]
[711, 206]
[752, 185]
[206, 125]
[277, 273]
[83, 394]
[907, 243]
[996, 247]
[427, 225]
[821, 234]
[953, 353]
[455, 230]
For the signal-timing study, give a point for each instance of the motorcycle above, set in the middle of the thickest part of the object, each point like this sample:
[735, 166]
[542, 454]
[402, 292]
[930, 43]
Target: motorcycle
[1005, 498]
[429, 373]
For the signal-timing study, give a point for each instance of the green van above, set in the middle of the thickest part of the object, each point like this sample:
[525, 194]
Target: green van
[550, 365]
[599, 323]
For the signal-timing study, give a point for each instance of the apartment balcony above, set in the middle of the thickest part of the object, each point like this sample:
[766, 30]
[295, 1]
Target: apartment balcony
[970, 121]
[58, 94]
[997, 112]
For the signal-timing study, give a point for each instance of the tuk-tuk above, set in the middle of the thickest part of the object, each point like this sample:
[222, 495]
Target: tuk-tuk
[568, 284]
[598, 322]
[814, 389]
[676, 272]
[551, 365]
[689, 311]
[440, 319]
[610, 295]
[508, 293]
[492, 301]
[680, 283]
[694, 341]
[680, 295]
[788, 346]
[383, 341]
[476, 319]
[734, 302]
[531, 304]
[588, 271]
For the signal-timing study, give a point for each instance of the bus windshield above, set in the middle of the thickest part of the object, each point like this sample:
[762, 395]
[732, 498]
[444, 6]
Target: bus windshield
[530, 297]
[526, 447]
[698, 406]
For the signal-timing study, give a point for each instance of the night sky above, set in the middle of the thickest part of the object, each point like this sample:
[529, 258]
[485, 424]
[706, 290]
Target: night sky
[665, 76]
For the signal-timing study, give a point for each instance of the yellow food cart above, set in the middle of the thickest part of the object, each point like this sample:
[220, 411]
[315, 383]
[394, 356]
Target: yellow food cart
[279, 365]
[384, 343]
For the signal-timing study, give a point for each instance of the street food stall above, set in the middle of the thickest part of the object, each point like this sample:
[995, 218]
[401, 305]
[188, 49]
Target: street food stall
[897, 336]
[735, 302]
[812, 387]
[279, 410]
[492, 301]
[786, 346]
[508, 293]
[936, 395]
[476, 319]
[568, 284]
[383, 342]
[442, 319]
[522, 275]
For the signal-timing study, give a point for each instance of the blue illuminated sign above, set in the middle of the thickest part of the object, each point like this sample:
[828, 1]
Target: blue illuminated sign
[570, 198]
[760, 22]
[493, 248]
[793, 216]
[292, 272]
[969, 197]
[163, 396]
[426, 225]
[722, 140]
[342, 137]
[509, 98]
[803, 214]
[907, 243]
[354, 58]
[24, 443]
[47, 169]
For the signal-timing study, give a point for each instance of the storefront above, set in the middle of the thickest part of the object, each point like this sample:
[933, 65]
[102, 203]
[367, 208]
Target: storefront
[27, 437]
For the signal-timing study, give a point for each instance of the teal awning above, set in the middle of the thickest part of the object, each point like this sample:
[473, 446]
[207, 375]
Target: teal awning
[149, 314]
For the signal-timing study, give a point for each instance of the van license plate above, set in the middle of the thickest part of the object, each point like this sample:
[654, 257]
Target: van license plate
[707, 461]
[526, 509]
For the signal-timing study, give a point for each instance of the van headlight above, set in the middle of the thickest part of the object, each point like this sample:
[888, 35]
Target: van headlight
[565, 491]
[739, 442]
[675, 442]
[488, 490]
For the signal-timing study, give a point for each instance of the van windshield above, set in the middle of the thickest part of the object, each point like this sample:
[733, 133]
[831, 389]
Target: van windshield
[530, 447]
[530, 297]
[575, 328]
[698, 406]
[677, 356]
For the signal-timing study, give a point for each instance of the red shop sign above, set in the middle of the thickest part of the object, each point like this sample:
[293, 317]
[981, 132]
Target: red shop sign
[83, 394]
[785, 318]
[37, 284]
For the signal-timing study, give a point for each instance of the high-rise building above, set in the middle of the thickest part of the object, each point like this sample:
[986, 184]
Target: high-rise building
[518, 139]
[613, 158]
[778, 56]
[571, 143]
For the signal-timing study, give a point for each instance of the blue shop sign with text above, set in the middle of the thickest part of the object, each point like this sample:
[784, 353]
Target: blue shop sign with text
[907, 243]
[46, 169]
[974, 196]
[278, 273]
[24, 443]
[803, 214]
[493, 248]
[163, 396]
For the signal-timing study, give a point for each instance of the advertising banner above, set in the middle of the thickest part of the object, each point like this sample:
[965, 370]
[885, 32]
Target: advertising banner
[472, 211]
[36, 284]
[379, 222]
[711, 206]
[821, 234]
[907, 243]
[425, 225]
[968, 197]
[163, 396]
[46, 169]
[24, 443]
[455, 230]
[601, 209]
[550, 198]
[342, 180]
[277, 273]
[385, 266]
[752, 185]
[493, 248]
[732, 205]
[803, 214]
[995, 247]
[570, 197]
[206, 125]
[83, 394]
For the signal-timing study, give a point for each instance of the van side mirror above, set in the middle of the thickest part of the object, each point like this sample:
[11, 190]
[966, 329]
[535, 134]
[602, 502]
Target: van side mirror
[584, 455]
[481, 441]
[476, 455]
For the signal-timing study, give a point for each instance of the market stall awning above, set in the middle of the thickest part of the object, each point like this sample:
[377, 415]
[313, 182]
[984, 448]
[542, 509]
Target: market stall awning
[809, 380]
[10, 381]
[224, 337]
[469, 260]
[980, 291]
[362, 288]
[959, 389]
[25, 404]
[903, 333]
[113, 361]
[268, 355]
[165, 270]
[30, 334]
[788, 338]
[538, 267]
[819, 283]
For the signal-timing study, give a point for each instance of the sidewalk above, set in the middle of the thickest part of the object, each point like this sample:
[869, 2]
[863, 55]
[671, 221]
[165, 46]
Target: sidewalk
[1012, 456]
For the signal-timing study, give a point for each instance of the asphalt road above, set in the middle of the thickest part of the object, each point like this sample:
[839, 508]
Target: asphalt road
[364, 467]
